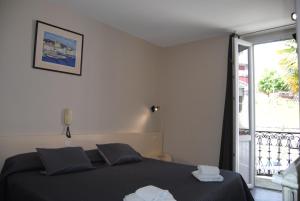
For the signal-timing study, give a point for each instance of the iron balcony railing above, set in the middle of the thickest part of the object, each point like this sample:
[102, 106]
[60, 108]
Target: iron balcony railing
[275, 151]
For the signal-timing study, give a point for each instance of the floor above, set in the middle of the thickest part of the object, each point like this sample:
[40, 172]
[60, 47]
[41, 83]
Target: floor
[261, 194]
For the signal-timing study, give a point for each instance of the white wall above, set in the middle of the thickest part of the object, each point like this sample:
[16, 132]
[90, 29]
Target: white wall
[193, 82]
[118, 84]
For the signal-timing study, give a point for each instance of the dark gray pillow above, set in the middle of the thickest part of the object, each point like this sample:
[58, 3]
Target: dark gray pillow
[22, 162]
[94, 156]
[64, 160]
[117, 153]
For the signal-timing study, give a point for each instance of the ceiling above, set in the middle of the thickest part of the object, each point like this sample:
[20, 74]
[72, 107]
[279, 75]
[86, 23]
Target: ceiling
[172, 22]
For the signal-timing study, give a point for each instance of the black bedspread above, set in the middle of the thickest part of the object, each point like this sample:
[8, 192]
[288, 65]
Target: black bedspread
[112, 183]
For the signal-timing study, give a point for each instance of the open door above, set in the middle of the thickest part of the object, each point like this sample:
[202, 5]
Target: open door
[244, 127]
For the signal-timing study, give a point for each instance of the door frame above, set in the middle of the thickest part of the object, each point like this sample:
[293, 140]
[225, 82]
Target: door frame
[251, 93]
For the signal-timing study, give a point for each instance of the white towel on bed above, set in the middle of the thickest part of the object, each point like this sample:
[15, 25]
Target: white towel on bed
[132, 197]
[207, 178]
[208, 170]
[150, 193]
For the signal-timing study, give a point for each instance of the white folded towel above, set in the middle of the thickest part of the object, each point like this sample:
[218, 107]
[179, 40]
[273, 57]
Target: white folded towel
[150, 193]
[132, 197]
[208, 170]
[207, 178]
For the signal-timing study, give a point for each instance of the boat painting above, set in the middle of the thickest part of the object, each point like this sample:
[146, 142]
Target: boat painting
[59, 50]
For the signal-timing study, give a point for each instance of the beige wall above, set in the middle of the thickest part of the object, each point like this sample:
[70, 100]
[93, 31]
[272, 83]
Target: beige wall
[118, 84]
[122, 77]
[193, 82]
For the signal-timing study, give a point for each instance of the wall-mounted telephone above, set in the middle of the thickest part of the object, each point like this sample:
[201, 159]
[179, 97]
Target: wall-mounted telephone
[68, 121]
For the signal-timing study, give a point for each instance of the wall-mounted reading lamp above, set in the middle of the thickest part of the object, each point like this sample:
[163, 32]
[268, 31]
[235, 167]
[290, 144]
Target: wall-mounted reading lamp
[294, 16]
[68, 121]
[155, 108]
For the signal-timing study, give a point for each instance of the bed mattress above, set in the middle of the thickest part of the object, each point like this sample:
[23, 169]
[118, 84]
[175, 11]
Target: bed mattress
[106, 183]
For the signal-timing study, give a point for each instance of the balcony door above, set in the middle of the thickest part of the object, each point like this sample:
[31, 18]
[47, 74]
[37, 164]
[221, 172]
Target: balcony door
[244, 128]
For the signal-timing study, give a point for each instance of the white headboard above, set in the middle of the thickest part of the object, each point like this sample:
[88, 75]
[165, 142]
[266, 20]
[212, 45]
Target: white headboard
[145, 143]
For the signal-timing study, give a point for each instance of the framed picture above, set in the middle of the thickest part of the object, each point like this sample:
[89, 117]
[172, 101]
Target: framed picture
[57, 49]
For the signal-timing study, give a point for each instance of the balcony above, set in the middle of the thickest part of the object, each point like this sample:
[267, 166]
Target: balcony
[275, 151]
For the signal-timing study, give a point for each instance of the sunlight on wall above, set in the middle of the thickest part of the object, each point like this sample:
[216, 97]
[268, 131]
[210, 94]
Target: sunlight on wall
[141, 122]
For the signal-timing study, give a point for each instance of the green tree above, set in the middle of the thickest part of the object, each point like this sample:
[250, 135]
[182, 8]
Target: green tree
[289, 63]
[271, 82]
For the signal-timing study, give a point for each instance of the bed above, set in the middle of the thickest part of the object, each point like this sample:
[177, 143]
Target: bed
[112, 183]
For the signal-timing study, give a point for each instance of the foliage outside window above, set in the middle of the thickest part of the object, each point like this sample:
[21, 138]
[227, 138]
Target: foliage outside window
[290, 65]
[288, 81]
[272, 82]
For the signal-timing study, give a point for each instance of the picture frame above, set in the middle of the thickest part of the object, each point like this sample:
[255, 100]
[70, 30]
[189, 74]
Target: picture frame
[57, 49]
